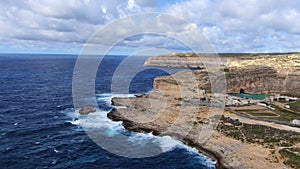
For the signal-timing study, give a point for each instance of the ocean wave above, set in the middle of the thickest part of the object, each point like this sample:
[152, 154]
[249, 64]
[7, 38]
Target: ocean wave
[107, 97]
[112, 95]
[99, 120]
[74, 121]
[193, 151]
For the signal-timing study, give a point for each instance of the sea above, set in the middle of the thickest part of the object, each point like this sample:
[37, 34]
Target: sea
[39, 125]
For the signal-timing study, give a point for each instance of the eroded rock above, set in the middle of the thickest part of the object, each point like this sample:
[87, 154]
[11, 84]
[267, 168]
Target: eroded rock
[87, 110]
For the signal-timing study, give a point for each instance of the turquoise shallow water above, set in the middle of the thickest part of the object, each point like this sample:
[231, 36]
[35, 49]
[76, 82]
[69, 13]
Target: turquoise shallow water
[251, 96]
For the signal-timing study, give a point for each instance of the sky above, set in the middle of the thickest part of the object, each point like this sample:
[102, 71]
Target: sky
[57, 26]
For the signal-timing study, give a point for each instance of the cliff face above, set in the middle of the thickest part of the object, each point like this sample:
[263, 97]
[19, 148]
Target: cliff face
[251, 79]
[263, 80]
[174, 60]
[264, 73]
[192, 60]
[184, 60]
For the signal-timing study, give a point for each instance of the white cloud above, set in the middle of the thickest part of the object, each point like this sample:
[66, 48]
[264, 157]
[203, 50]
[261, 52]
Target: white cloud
[55, 21]
[103, 10]
[239, 26]
[231, 25]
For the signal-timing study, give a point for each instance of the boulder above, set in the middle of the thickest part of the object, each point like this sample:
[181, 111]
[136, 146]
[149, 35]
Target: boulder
[87, 110]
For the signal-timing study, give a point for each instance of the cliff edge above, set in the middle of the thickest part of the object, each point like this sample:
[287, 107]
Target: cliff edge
[173, 108]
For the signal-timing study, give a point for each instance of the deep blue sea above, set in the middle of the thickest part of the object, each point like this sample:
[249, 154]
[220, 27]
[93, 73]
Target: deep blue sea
[38, 127]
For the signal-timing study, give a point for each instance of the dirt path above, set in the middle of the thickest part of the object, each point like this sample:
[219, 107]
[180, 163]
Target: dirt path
[274, 125]
[280, 158]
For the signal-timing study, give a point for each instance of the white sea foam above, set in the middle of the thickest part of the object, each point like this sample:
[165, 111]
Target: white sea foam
[74, 122]
[99, 120]
[123, 95]
[140, 138]
[111, 95]
[167, 143]
[120, 107]
[107, 97]
[194, 151]
[104, 94]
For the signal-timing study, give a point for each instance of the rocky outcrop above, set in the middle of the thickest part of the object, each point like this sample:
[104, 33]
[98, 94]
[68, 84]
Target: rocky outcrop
[87, 110]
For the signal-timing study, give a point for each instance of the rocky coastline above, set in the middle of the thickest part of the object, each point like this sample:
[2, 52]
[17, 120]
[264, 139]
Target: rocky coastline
[226, 151]
[166, 111]
[132, 126]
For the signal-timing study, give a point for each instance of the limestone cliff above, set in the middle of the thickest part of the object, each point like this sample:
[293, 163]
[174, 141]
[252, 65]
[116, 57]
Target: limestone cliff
[192, 60]
[173, 60]
[270, 74]
[251, 79]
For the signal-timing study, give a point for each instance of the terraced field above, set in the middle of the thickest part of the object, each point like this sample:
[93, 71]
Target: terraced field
[279, 113]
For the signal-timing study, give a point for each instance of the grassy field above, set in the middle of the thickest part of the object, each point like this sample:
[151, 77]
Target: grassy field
[279, 113]
[293, 156]
[295, 106]
[285, 115]
[264, 135]
[263, 114]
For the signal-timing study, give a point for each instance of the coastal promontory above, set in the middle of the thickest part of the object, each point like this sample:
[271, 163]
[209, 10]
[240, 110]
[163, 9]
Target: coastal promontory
[247, 133]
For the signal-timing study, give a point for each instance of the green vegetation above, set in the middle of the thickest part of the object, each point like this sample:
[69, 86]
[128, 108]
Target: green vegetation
[295, 106]
[259, 134]
[263, 114]
[279, 113]
[231, 131]
[269, 136]
[258, 113]
[226, 69]
[248, 110]
[293, 156]
[285, 115]
[282, 110]
[266, 136]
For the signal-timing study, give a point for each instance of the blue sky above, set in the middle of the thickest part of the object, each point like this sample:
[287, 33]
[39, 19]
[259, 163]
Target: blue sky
[56, 26]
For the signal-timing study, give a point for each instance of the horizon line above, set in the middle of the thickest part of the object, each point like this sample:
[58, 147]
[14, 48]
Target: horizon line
[118, 54]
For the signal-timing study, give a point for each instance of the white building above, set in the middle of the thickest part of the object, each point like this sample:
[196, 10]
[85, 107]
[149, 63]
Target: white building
[296, 122]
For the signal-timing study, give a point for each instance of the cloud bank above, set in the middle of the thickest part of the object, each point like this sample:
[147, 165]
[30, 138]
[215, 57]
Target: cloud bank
[231, 26]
